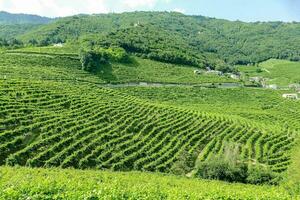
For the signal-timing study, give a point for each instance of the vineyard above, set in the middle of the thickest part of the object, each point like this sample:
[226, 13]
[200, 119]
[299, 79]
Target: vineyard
[52, 114]
[76, 184]
[46, 124]
[258, 105]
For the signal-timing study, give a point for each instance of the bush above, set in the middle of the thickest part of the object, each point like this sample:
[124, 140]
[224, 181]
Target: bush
[260, 175]
[228, 167]
[118, 54]
[259, 70]
[219, 168]
[184, 164]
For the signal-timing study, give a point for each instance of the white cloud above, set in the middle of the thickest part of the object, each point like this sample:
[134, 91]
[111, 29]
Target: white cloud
[55, 8]
[132, 4]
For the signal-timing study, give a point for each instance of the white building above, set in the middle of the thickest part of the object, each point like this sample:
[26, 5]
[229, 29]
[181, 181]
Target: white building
[215, 72]
[273, 86]
[58, 45]
[290, 96]
[294, 86]
[196, 71]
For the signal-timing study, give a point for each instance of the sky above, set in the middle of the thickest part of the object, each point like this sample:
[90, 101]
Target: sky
[244, 10]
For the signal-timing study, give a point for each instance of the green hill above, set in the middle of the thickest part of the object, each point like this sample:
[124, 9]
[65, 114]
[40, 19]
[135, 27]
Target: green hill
[174, 37]
[9, 18]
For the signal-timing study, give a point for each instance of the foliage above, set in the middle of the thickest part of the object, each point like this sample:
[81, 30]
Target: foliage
[25, 183]
[229, 167]
[260, 175]
[10, 43]
[91, 60]
[8, 18]
[177, 38]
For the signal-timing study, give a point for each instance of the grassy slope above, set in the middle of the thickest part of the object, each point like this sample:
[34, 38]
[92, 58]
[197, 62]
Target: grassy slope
[24, 183]
[141, 70]
[279, 72]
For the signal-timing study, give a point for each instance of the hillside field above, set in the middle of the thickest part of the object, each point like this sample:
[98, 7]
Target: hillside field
[49, 61]
[148, 105]
[280, 72]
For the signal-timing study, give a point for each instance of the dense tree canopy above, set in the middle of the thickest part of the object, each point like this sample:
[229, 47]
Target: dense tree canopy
[176, 38]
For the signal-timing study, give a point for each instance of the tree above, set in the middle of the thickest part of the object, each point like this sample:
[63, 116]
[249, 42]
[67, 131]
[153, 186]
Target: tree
[33, 42]
[91, 60]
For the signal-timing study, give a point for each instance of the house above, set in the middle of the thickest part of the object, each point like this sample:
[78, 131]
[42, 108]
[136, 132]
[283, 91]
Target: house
[197, 71]
[233, 76]
[273, 86]
[255, 79]
[58, 45]
[295, 86]
[215, 72]
[290, 96]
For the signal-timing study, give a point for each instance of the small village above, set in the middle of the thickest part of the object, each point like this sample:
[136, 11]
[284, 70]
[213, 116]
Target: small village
[258, 81]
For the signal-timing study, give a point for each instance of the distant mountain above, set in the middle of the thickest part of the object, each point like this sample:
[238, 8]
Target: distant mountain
[9, 18]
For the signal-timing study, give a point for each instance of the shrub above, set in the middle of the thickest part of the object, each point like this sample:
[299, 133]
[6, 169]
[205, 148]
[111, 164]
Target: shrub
[184, 164]
[218, 168]
[260, 175]
[228, 167]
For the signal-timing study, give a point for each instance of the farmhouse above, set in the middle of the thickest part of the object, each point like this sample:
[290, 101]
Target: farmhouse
[255, 79]
[234, 76]
[197, 71]
[214, 72]
[290, 96]
[295, 86]
[273, 86]
[58, 45]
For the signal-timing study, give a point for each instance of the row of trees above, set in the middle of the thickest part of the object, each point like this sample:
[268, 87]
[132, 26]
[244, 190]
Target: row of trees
[11, 43]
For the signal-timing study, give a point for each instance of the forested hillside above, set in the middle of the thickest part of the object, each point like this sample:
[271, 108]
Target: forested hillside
[177, 38]
[14, 25]
[9, 18]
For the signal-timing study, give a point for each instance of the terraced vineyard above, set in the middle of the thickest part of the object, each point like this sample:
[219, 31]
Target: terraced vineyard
[258, 105]
[51, 123]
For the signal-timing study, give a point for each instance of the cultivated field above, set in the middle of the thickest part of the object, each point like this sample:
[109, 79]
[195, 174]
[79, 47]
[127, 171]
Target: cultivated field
[55, 115]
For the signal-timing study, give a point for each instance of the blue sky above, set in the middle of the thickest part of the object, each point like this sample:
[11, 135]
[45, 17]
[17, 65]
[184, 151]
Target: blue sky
[245, 10]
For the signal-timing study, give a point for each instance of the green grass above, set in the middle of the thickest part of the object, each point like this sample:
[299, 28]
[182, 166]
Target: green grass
[67, 49]
[280, 72]
[25, 183]
[52, 61]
